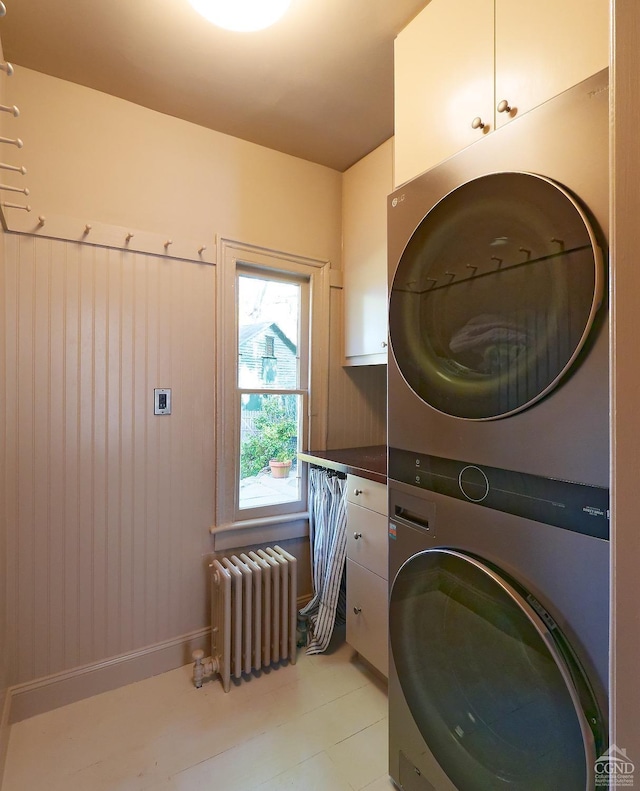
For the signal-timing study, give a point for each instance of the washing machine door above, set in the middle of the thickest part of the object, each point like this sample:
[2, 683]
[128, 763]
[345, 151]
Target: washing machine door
[491, 683]
[494, 295]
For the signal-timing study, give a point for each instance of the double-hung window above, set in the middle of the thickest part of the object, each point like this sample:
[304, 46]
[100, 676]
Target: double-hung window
[272, 392]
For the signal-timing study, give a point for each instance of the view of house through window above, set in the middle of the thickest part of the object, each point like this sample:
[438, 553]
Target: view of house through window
[271, 387]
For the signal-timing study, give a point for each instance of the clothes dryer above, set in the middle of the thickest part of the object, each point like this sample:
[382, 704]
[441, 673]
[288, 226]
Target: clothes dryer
[499, 458]
[497, 311]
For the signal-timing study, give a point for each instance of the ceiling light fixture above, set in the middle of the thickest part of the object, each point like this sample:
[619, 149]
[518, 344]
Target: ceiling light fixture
[241, 15]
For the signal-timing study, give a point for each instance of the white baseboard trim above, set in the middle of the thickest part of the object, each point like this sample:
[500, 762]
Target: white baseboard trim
[4, 732]
[44, 694]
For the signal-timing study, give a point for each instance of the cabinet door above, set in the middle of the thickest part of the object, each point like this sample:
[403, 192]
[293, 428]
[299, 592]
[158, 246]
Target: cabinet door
[444, 72]
[368, 615]
[365, 187]
[544, 48]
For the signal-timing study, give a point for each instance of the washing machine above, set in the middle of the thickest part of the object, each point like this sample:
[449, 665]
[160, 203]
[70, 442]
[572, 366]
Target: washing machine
[499, 458]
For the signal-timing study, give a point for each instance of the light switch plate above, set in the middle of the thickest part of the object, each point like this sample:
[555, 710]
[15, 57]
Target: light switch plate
[162, 401]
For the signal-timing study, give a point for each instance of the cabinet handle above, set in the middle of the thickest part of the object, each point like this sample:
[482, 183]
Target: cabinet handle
[357, 492]
[357, 610]
[477, 123]
[503, 106]
[357, 536]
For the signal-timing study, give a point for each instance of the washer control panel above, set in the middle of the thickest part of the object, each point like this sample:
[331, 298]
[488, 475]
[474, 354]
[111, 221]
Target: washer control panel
[573, 506]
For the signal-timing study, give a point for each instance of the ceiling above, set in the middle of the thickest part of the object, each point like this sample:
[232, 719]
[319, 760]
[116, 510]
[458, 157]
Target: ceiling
[317, 85]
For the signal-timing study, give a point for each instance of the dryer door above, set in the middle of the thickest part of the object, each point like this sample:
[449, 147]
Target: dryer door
[494, 295]
[492, 685]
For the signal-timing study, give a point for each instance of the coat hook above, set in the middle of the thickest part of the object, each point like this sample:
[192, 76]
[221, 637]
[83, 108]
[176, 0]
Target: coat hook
[15, 169]
[202, 249]
[499, 260]
[559, 241]
[475, 269]
[7, 67]
[526, 251]
[128, 237]
[452, 275]
[433, 282]
[87, 228]
[41, 219]
[13, 110]
[167, 243]
[16, 206]
[12, 141]
[9, 188]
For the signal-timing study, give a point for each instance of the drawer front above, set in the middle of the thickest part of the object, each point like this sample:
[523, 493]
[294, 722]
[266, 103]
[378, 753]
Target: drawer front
[368, 615]
[369, 494]
[367, 541]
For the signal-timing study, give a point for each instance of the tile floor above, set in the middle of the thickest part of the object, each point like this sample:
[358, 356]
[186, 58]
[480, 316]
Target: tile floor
[318, 725]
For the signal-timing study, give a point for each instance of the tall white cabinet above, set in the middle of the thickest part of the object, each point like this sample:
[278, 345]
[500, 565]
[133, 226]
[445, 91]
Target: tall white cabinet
[465, 67]
[365, 187]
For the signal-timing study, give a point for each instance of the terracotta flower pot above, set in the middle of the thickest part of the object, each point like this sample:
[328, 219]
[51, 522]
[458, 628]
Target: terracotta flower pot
[280, 469]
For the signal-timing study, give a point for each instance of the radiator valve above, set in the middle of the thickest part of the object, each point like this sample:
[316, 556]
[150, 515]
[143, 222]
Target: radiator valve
[204, 668]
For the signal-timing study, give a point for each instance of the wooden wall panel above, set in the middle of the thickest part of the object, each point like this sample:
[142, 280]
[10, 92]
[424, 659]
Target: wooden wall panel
[107, 505]
[357, 395]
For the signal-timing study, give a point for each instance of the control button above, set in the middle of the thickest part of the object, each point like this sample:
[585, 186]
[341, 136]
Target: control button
[417, 462]
[473, 483]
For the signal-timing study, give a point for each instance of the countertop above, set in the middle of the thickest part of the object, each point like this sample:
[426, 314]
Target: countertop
[368, 462]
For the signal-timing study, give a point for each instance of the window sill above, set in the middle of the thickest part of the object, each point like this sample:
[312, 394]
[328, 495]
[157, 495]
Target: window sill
[266, 530]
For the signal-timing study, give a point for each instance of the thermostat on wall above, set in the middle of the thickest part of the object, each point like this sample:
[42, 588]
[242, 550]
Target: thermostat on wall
[162, 401]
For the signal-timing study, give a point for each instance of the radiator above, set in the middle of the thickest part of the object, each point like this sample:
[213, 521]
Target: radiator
[253, 613]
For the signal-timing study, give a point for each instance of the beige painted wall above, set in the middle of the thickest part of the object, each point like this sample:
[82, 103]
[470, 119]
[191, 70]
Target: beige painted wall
[100, 159]
[107, 507]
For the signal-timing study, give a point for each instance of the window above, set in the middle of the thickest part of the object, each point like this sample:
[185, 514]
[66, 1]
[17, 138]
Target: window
[272, 388]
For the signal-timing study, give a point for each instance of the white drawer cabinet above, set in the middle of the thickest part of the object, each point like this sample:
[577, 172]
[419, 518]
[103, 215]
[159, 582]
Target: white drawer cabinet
[367, 570]
[367, 619]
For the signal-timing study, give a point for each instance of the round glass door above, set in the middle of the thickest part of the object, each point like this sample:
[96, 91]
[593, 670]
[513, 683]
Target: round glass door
[494, 295]
[491, 683]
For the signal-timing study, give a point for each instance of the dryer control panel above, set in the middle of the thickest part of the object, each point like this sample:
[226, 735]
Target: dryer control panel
[572, 506]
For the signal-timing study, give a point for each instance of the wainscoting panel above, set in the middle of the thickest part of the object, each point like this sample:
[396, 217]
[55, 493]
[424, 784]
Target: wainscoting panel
[357, 394]
[107, 505]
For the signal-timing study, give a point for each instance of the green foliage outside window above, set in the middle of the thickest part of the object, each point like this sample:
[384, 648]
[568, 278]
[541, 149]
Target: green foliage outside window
[275, 435]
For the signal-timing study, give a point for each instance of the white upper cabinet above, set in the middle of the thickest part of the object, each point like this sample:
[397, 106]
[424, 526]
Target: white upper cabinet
[463, 67]
[365, 188]
[544, 48]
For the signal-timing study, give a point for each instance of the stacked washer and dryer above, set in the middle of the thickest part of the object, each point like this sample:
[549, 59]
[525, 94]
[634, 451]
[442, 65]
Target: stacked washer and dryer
[499, 458]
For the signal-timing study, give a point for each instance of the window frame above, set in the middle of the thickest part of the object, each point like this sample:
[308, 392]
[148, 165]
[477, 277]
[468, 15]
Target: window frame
[288, 520]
